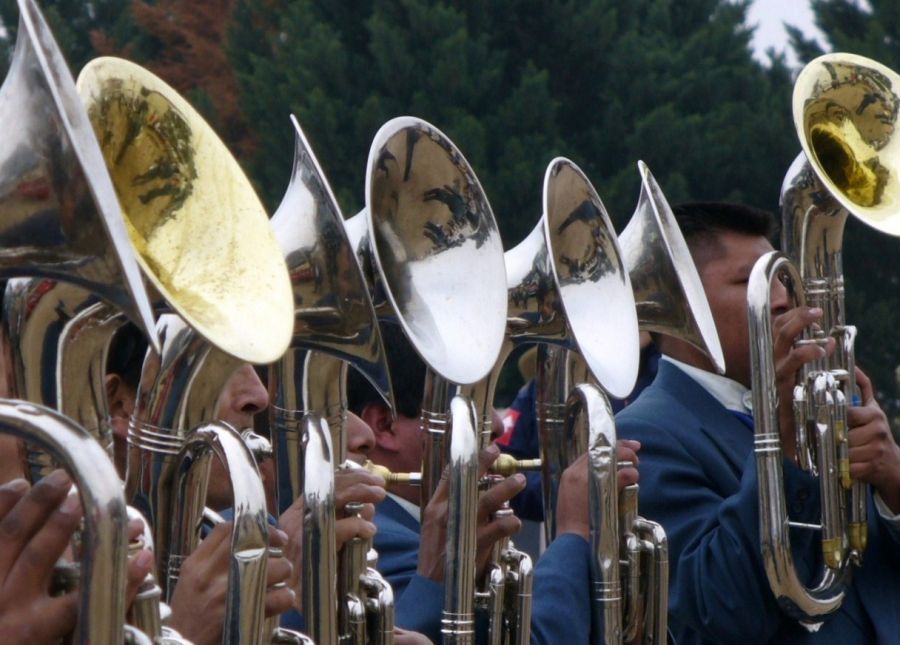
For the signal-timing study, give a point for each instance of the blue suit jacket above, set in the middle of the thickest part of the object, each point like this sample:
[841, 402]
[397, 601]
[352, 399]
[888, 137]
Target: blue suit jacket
[698, 479]
[561, 612]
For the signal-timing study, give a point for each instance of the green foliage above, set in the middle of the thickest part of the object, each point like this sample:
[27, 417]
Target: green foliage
[73, 22]
[514, 83]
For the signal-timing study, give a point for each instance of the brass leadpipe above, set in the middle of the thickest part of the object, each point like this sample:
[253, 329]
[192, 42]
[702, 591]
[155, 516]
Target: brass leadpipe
[245, 604]
[505, 465]
[625, 548]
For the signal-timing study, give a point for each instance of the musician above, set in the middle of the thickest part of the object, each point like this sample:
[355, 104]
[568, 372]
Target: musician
[198, 601]
[204, 575]
[698, 468]
[520, 432]
[410, 544]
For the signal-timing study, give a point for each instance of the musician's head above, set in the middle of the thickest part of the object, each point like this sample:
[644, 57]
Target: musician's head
[397, 438]
[242, 397]
[725, 240]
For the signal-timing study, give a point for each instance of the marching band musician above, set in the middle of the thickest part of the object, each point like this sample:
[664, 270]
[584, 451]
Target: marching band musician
[204, 576]
[411, 550]
[699, 474]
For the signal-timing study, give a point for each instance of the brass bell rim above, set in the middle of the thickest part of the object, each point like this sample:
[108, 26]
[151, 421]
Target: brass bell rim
[235, 317]
[885, 216]
[615, 368]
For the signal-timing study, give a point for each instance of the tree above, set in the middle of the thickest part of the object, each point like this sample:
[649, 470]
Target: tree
[515, 83]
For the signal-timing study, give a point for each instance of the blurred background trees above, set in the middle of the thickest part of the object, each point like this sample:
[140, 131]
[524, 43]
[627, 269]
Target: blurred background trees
[514, 83]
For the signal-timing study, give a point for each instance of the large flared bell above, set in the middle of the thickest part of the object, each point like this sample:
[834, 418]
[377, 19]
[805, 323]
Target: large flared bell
[437, 248]
[668, 292]
[202, 235]
[333, 312]
[59, 216]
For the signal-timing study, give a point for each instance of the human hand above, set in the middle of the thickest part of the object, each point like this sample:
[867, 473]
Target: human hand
[404, 637]
[36, 527]
[874, 455]
[789, 359]
[350, 485]
[199, 599]
[432, 543]
[572, 510]
[140, 563]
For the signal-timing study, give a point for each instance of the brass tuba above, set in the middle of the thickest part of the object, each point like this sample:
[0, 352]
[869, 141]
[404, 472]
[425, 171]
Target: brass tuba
[845, 110]
[60, 217]
[335, 327]
[429, 235]
[178, 184]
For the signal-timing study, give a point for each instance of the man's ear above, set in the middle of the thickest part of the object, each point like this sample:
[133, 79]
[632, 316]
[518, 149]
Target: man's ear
[120, 397]
[378, 416]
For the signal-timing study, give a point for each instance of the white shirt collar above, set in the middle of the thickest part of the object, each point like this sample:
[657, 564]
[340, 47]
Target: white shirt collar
[408, 506]
[729, 393]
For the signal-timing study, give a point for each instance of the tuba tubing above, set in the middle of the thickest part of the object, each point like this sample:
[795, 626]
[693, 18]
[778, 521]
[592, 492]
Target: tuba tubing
[245, 605]
[827, 593]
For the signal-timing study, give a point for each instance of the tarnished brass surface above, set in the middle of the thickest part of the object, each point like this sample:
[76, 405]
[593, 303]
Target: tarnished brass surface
[199, 228]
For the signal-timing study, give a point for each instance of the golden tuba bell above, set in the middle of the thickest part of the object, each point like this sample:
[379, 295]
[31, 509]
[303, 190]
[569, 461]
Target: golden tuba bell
[845, 111]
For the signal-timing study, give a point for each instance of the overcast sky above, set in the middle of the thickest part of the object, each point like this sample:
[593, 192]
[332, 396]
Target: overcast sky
[770, 15]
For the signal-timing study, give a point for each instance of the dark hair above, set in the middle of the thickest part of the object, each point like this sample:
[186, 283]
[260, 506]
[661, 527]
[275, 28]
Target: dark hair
[126, 354]
[407, 375]
[701, 222]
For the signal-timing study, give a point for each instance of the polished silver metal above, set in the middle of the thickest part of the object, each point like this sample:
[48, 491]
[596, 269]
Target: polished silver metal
[432, 236]
[827, 591]
[845, 110]
[558, 371]
[335, 327]
[245, 598]
[178, 391]
[567, 285]
[332, 309]
[81, 369]
[626, 550]
[59, 215]
[458, 618]
[333, 313]
[148, 612]
[320, 599]
[104, 543]
[33, 318]
[667, 290]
